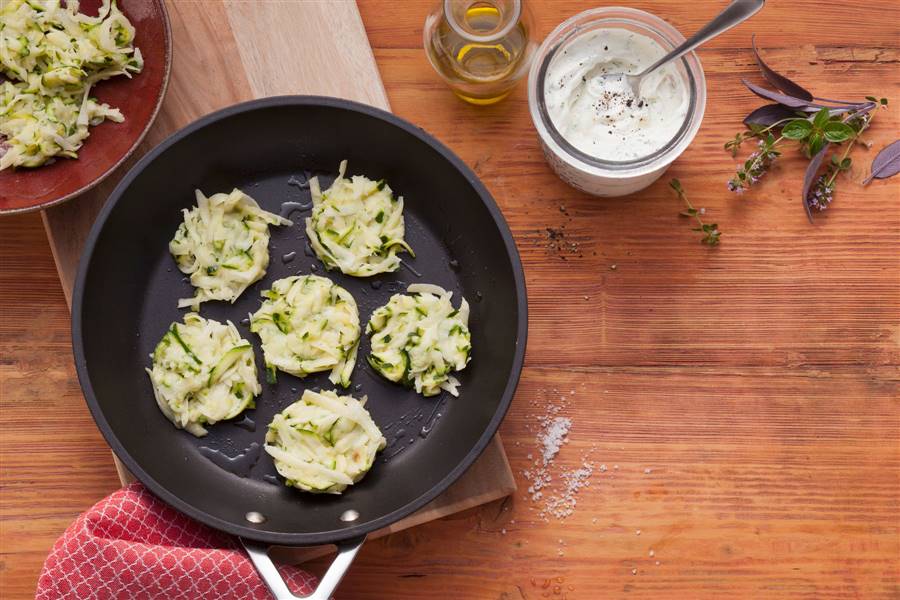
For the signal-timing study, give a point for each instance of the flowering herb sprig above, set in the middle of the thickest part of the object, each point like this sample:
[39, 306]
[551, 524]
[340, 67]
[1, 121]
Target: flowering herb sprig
[816, 124]
[821, 192]
[756, 164]
[711, 233]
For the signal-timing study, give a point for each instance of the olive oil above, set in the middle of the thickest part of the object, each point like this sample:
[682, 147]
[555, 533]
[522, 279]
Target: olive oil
[480, 48]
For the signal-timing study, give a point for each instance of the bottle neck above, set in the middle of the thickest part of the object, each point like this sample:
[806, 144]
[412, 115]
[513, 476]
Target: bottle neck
[482, 21]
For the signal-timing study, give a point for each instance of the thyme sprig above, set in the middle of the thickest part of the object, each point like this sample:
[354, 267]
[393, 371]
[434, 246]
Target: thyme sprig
[711, 233]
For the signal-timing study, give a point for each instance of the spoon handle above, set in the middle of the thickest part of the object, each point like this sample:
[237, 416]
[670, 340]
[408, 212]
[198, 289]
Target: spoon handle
[736, 12]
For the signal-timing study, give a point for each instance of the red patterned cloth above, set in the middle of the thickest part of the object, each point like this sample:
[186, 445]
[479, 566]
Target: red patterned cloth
[133, 546]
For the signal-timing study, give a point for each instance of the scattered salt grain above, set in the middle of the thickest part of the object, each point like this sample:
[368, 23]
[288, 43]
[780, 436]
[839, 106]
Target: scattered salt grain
[552, 435]
[647, 471]
[603, 468]
[657, 563]
[638, 532]
[634, 571]
[503, 532]
[652, 553]
[563, 504]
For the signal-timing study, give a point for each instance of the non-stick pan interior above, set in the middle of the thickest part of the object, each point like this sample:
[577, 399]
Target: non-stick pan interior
[129, 285]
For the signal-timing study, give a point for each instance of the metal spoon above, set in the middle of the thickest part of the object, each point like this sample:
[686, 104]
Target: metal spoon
[737, 12]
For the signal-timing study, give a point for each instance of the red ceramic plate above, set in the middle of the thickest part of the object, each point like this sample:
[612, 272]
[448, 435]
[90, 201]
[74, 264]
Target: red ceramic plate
[109, 143]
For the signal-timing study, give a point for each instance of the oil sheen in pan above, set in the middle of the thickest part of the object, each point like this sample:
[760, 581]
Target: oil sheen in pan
[235, 445]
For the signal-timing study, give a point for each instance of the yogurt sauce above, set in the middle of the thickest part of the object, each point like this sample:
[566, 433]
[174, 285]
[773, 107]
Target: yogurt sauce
[601, 116]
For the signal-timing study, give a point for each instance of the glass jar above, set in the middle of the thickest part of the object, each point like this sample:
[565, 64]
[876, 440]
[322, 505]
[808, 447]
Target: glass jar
[610, 177]
[481, 48]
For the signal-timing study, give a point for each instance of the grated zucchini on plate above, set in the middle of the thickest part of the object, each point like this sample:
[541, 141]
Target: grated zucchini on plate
[308, 324]
[419, 339]
[357, 225]
[223, 244]
[52, 56]
[323, 442]
[203, 372]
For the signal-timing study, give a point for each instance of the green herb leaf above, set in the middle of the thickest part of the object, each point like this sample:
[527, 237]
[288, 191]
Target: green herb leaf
[816, 143]
[838, 132]
[710, 232]
[798, 129]
[821, 118]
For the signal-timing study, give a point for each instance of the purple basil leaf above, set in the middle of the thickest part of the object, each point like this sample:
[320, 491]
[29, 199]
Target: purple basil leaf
[778, 80]
[886, 164]
[769, 114]
[841, 102]
[780, 98]
[811, 172]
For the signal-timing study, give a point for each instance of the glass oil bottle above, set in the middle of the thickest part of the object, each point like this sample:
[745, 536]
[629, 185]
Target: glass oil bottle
[481, 48]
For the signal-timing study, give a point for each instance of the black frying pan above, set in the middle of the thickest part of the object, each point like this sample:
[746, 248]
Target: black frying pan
[128, 285]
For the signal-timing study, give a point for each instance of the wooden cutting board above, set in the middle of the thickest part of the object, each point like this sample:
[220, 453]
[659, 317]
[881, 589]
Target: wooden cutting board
[233, 51]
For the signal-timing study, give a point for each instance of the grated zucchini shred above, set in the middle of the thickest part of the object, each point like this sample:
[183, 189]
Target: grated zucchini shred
[419, 339]
[52, 56]
[357, 225]
[203, 372]
[308, 324]
[324, 442]
[223, 244]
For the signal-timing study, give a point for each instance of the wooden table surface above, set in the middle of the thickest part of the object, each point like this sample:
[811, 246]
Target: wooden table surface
[757, 382]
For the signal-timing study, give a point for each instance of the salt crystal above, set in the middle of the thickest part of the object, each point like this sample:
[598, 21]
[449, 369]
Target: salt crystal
[553, 438]
[503, 531]
[647, 471]
[603, 468]
[634, 571]
[638, 532]
[657, 563]
[652, 553]
[552, 435]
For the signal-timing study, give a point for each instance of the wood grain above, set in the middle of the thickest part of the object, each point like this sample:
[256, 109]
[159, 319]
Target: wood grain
[322, 52]
[758, 381]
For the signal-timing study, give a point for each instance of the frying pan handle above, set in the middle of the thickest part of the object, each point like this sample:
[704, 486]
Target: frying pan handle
[259, 554]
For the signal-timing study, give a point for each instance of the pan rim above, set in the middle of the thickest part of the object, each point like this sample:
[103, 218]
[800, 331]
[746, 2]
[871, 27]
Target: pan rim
[246, 531]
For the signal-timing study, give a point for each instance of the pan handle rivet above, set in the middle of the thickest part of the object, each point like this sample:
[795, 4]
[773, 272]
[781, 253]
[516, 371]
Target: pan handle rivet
[348, 516]
[255, 517]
